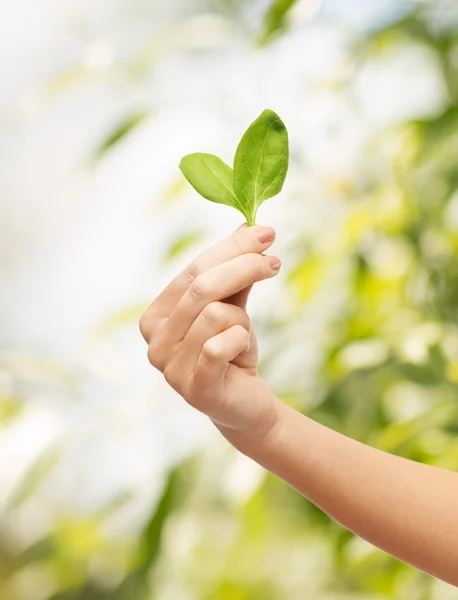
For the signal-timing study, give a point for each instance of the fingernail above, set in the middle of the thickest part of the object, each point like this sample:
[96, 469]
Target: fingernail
[265, 234]
[274, 262]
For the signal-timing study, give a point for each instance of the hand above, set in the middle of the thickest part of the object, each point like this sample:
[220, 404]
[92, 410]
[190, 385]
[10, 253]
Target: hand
[200, 336]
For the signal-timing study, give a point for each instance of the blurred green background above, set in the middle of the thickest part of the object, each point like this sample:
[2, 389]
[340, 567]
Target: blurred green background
[110, 485]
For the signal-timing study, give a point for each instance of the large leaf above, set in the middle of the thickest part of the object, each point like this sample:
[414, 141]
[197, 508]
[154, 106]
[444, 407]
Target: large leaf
[275, 17]
[261, 162]
[211, 177]
[149, 543]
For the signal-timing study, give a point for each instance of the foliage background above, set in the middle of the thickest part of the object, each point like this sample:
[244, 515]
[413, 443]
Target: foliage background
[111, 487]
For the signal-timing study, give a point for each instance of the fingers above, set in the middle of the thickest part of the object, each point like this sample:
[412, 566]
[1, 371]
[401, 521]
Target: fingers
[249, 359]
[215, 318]
[243, 241]
[240, 298]
[212, 364]
[215, 284]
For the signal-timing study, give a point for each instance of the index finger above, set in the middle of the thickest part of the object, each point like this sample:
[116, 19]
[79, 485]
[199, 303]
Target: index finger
[243, 241]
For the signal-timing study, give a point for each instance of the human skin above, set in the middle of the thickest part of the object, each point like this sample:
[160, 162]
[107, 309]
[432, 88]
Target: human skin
[200, 337]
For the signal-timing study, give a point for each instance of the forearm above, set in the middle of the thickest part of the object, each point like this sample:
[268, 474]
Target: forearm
[408, 509]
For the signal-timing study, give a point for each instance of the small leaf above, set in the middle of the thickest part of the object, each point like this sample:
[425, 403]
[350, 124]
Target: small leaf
[173, 193]
[261, 162]
[10, 408]
[114, 504]
[126, 316]
[275, 18]
[65, 80]
[35, 476]
[211, 177]
[181, 244]
[126, 126]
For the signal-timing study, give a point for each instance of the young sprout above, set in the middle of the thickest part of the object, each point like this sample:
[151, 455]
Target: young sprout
[260, 167]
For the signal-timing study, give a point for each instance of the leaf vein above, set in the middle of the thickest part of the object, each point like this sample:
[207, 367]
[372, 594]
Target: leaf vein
[260, 160]
[231, 193]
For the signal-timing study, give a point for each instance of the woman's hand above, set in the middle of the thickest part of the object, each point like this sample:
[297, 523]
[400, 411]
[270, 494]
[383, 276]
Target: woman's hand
[200, 336]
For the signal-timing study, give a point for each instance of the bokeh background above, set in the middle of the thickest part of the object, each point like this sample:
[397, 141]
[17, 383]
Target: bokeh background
[111, 487]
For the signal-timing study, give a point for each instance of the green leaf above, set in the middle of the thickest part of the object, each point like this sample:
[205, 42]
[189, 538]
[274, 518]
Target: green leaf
[10, 408]
[211, 177]
[35, 476]
[126, 126]
[125, 316]
[114, 504]
[182, 243]
[173, 193]
[260, 167]
[65, 80]
[148, 549]
[275, 18]
[261, 162]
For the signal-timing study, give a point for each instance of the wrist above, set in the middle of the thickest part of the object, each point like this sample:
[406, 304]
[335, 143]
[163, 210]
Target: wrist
[261, 434]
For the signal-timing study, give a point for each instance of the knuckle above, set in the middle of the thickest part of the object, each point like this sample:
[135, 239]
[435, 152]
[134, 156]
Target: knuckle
[193, 270]
[214, 313]
[152, 355]
[192, 396]
[256, 263]
[194, 391]
[198, 289]
[242, 319]
[173, 376]
[155, 355]
[143, 325]
[241, 332]
[211, 350]
[168, 374]
[237, 242]
[148, 322]
[247, 339]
